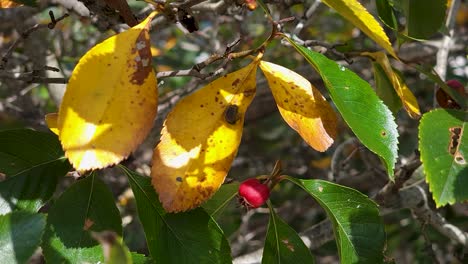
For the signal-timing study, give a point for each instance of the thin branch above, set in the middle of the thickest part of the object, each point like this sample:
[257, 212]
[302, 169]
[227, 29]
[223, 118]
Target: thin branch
[26, 34]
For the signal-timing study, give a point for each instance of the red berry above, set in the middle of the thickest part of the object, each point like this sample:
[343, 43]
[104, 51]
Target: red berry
[455, 84]
[253, 193]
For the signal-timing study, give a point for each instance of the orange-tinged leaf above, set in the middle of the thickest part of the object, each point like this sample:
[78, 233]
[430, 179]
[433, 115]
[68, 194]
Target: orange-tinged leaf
[301, 105]
[110, 102]
[357, 14]
[9, 4]
[407, 98]
[51, 121]
[200, 139]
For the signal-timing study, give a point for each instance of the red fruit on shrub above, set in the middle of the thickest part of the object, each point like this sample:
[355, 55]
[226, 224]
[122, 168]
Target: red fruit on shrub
[253, 193]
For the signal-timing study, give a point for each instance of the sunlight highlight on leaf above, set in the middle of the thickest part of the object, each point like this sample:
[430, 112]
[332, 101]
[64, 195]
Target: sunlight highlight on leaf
[407, 98]
[110, 102]
[200, 139]
[301, 105]
[357, 14]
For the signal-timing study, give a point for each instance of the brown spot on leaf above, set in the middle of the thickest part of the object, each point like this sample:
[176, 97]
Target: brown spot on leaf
[231, 114]
[179, 179]
[236, 82]
[142, 65]
[88, 224]
[383, 133]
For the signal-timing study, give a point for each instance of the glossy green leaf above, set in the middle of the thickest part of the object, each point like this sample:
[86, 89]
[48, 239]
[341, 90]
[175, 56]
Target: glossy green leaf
[189, 237]
[114, 250]
[221, 199]
[87, 206]
[20, 236]
[443, 143]
[385, 90]
[423, 18]
[283, 244]
[358, 228]
[33, 162]
[24, 149]
[369, 118]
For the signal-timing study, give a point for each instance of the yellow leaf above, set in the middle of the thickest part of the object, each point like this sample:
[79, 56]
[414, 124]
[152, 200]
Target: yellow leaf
[301, 105]
[407, 98]
[353, 11]
[51, 121]
[200, 139]
[110, 102]
[9, 4]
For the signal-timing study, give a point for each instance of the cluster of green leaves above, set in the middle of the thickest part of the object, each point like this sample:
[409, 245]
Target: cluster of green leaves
[74, 227]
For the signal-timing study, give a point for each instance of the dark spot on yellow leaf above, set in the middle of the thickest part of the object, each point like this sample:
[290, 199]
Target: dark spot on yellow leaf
[212, 113]
[138, 91]
[286, 100]
[142, 59]
[249, 92]
[236, 82]
[201, 105]
[115, 57]
[216, 99]
[193, 138]
[132, 102]
[231, 114]
[93, 146]
[108, 64]
[179, 179]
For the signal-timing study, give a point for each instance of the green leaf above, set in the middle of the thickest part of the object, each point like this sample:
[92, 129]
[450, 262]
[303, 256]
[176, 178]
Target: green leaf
[443, 143]
[221, 199]
[386, 14]
[20, 236]
[87, 206]
[140, 259]
[35, 163]
[423, 18]
[368, 117]
[385, 90]
[283, 244]
[24, 149]
[114, 250]
[358, 228]
[189, 237]
[354, 12]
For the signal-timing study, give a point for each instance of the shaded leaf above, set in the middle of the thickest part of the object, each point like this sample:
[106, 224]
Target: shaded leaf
[358, 228]
[443, 143]
[353, 11]
[190, 237]
[301, 105]
[200, 139]
[33, 163]
[24, 149]
[115, 251]
[423, 18]
[221, 199]
[384, 89]
[368, 117]
[283, 244]
[20, 236]
[87, 206]
[409, 101]
[110, 102]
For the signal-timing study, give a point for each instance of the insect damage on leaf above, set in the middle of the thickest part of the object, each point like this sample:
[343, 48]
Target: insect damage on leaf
[142, 61]
[454, 144]
[200, 139]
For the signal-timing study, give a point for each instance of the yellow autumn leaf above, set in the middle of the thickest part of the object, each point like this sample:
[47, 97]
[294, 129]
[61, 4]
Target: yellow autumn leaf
[51, 121]
[9, 4]
[357, 14]
[407, 98]
[301, 105]
[200, 139]
[110, 102]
